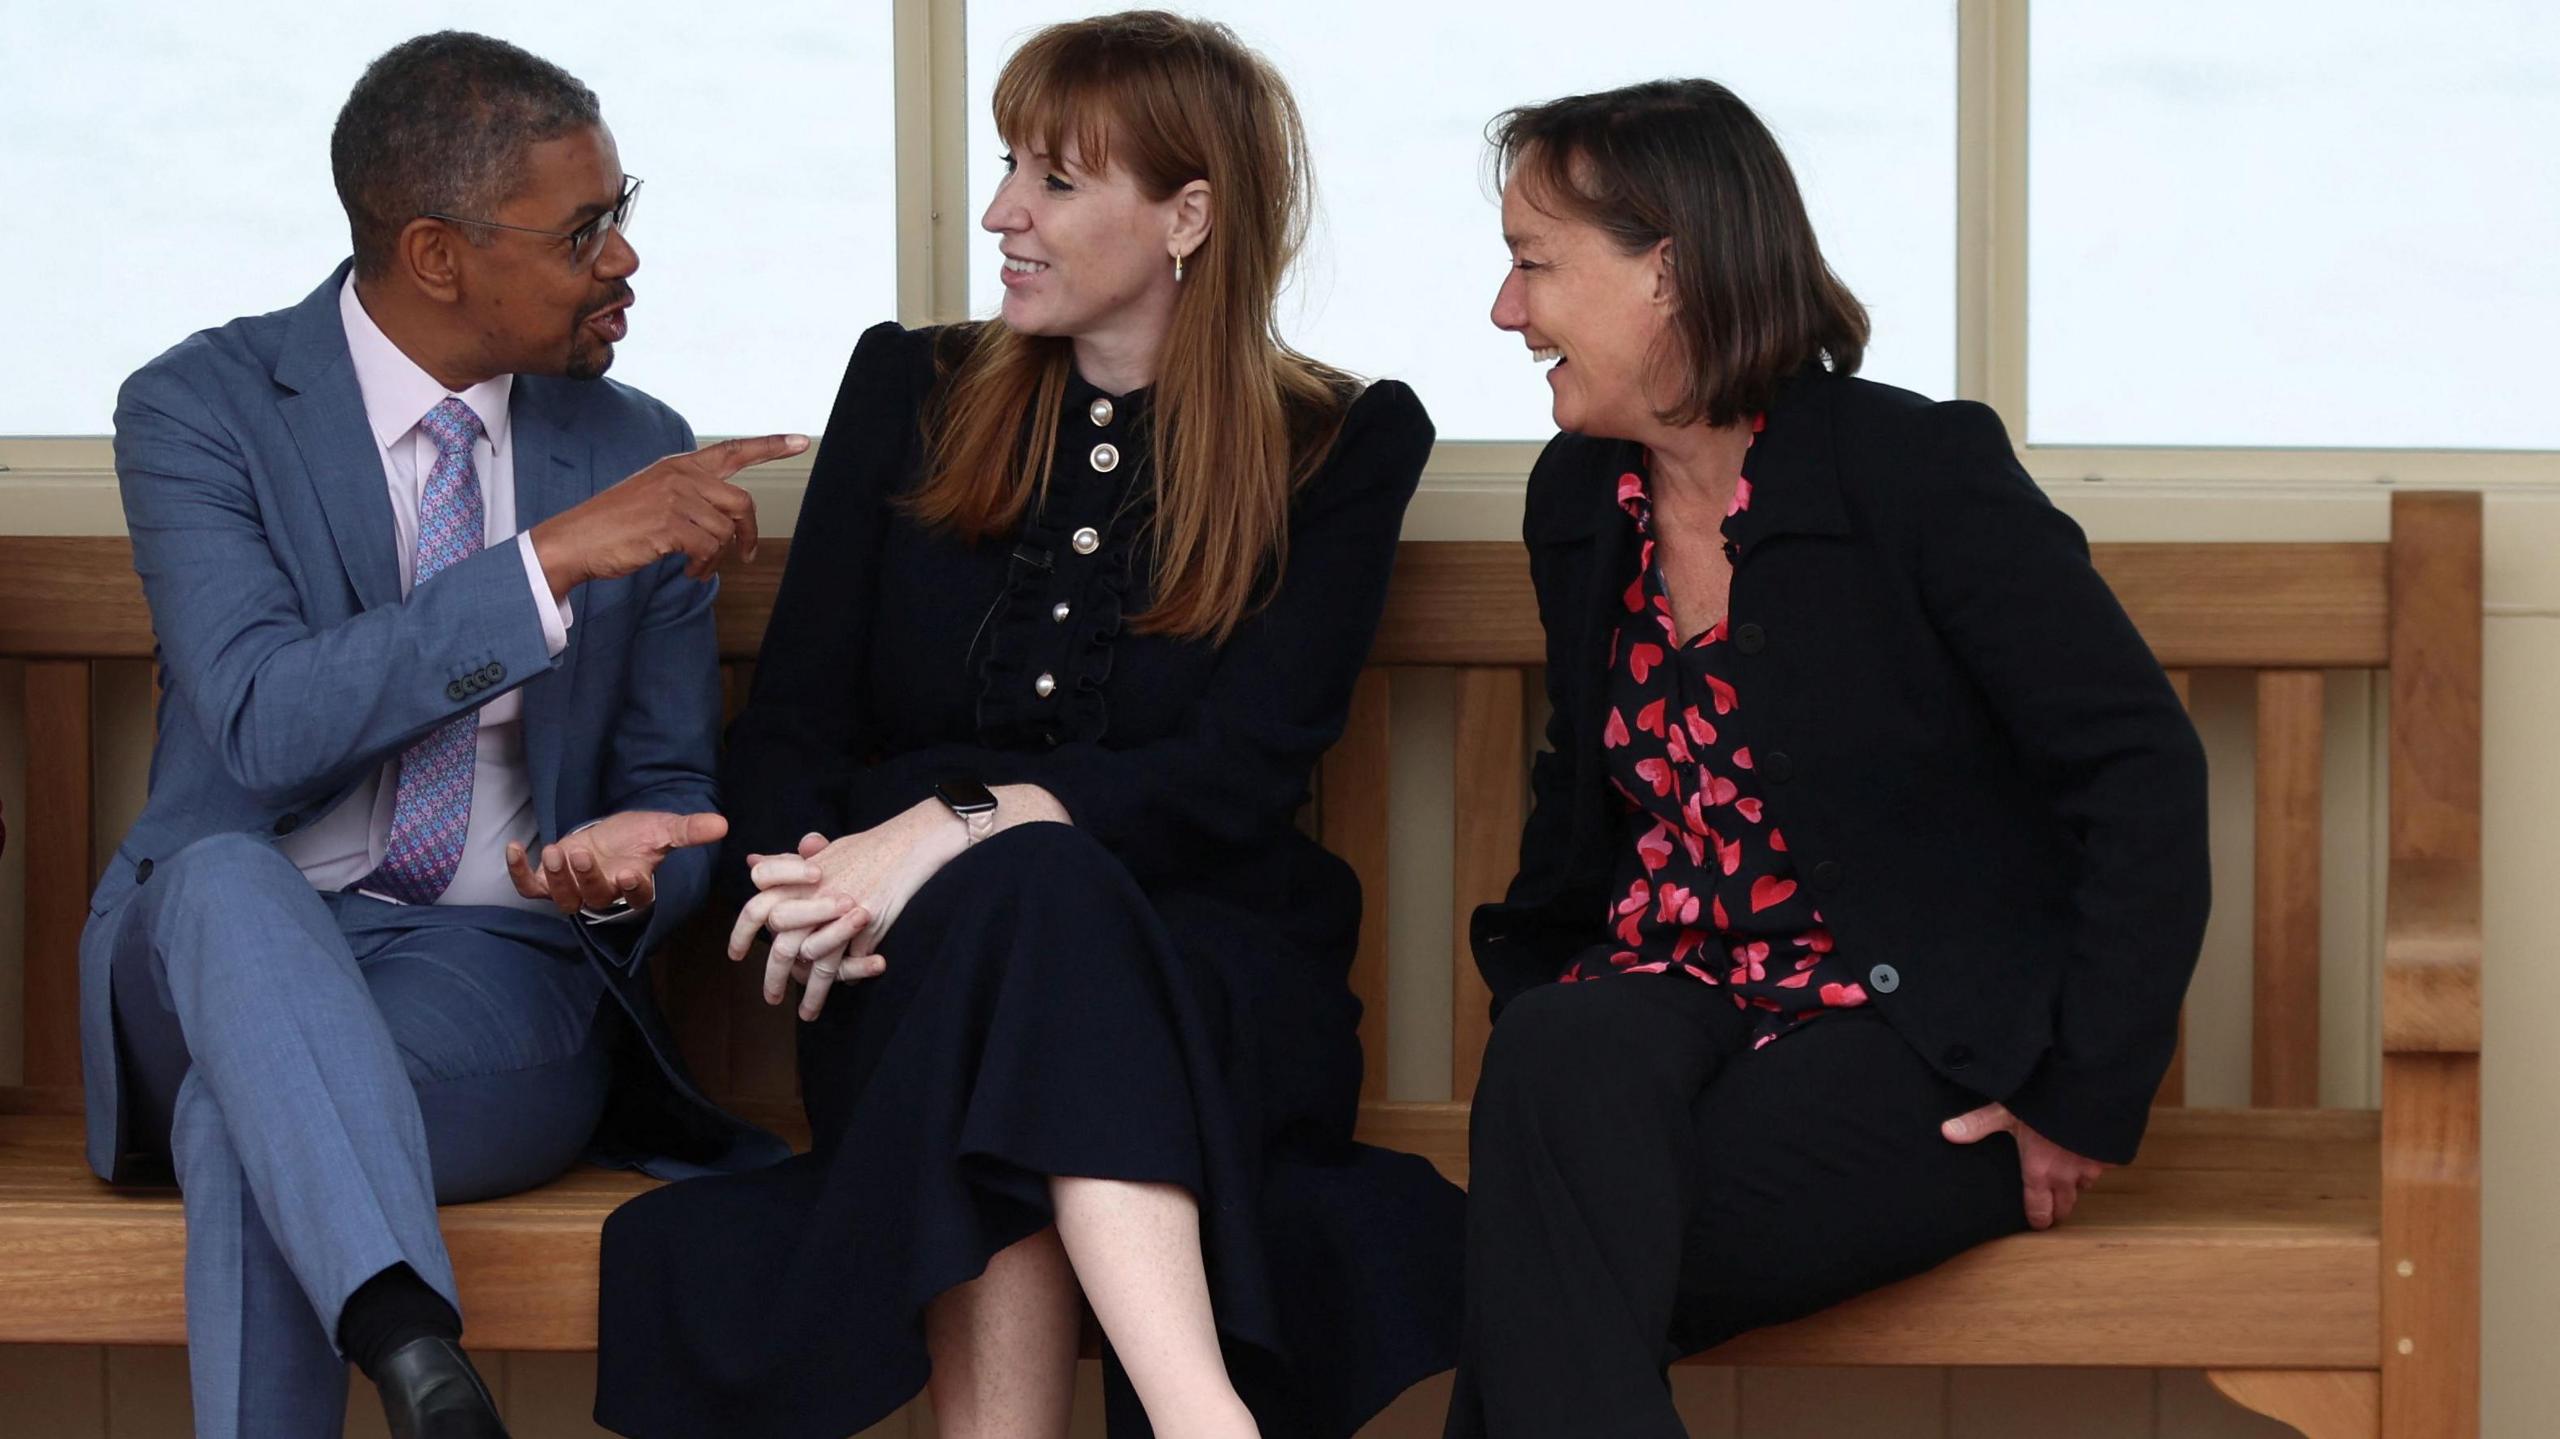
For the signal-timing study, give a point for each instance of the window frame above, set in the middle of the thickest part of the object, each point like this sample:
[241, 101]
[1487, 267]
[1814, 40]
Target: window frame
[65, 484]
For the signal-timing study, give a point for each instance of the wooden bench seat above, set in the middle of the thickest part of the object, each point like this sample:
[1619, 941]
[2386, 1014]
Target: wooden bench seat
[2244, 1237]
[2322, 1265]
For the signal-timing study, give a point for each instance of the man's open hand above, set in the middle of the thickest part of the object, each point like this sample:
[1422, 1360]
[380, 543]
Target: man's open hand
[614, 859]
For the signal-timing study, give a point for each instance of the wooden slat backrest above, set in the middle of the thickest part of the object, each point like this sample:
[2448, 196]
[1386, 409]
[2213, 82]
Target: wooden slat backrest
[1490, 789]
[2286, 610]
[60, 843]
[71, 597]
[1351, 802]
[2222, 606]
[2285, 1050]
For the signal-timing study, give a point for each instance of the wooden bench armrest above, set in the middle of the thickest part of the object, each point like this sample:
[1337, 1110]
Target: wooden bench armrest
[2431, 958]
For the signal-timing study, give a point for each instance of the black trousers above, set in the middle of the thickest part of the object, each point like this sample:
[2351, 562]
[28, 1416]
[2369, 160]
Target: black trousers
[1646, 1185]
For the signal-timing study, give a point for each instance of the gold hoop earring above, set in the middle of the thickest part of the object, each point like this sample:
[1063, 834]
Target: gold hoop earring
[1177, 269]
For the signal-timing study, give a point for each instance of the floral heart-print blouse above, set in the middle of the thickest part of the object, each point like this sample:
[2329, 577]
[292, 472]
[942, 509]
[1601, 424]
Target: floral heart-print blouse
[1705, 886]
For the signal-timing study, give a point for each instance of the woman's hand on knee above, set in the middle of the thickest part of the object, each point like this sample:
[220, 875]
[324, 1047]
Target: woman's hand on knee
[2054, 1177]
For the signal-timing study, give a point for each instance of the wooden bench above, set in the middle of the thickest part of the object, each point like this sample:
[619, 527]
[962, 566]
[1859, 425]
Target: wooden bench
[2322, 1264]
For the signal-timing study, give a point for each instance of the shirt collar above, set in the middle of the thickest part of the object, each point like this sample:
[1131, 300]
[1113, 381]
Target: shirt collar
[398, 394]
[1635, 490]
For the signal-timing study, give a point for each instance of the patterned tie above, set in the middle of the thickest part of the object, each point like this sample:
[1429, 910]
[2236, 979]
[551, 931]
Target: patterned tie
[432, 812]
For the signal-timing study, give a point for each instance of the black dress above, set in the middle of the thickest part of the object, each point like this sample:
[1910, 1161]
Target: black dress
[1157, 993]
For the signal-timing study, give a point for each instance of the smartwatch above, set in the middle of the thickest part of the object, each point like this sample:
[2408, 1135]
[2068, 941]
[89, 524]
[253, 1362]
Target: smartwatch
[974, 803]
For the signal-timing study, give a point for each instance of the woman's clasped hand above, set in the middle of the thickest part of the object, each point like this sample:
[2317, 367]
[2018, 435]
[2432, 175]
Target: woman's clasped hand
[830, 905]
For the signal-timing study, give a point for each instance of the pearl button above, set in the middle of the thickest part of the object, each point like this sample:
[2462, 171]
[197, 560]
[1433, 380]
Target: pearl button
[1106, 458]
[1045, 686]
[1060, 611]
[1099, 411]
[1087, 540]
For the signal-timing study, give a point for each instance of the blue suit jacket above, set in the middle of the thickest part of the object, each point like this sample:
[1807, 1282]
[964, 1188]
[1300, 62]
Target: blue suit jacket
[291, 667]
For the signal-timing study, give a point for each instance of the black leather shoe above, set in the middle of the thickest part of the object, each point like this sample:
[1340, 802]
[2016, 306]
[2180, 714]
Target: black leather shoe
[430, 1391]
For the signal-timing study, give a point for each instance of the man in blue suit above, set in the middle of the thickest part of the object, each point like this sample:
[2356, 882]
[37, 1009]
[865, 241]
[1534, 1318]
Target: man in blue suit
[435, 755]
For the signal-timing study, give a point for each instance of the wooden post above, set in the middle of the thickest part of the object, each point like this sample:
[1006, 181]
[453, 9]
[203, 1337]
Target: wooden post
[2431, 973]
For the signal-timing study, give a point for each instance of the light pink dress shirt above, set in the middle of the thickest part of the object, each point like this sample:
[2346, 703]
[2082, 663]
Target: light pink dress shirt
[347, 844]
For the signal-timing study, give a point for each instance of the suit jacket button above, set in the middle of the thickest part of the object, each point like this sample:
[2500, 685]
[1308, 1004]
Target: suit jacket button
[497, 672]
[1778, 767]
[455, 691]
[288, 825]
[1957, 1056]
[1884, 979]
[142, 872]
[1749, 639]
[1826, 875]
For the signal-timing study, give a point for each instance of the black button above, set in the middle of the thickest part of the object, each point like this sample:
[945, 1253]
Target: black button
[497, 672]
[288, 824]
[1958, 1056]
[1749, 639]
[455, 691]
[142, 872]
[1778, 767]
[1826, 875]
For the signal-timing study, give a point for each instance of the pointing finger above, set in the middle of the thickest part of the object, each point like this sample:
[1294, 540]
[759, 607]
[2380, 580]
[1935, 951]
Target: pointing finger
[730, 456]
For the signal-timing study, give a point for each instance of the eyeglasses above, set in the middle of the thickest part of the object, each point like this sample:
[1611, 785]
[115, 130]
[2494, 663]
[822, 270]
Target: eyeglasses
[585, 242]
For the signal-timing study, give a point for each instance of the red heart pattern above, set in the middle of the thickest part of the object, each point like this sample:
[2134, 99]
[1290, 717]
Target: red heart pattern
[1683, 886]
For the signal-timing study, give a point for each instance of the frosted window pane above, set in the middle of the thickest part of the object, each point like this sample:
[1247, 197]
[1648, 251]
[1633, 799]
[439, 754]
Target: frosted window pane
[2294, 224]
[167, 169]
[1400, 275]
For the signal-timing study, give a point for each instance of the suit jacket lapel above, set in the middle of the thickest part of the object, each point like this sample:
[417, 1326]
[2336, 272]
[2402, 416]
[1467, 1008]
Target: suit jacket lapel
[554, 472]
[326, 414]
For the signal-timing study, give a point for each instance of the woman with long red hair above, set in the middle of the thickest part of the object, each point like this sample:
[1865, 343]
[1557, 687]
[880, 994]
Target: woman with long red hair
[1075, 603]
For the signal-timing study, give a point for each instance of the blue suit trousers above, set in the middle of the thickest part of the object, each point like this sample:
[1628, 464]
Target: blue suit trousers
[324, 1069]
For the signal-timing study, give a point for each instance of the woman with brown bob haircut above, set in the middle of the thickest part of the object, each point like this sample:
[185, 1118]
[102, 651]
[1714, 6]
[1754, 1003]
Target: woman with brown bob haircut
[1076, 600]
[1864, 878]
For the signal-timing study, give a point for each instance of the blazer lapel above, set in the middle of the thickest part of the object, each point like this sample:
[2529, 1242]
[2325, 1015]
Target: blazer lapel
[1597, 535]
[1793, 468]
[554, 471]
[326, 414]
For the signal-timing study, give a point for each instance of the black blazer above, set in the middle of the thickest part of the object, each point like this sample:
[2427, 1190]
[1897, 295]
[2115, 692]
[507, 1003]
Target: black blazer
[1979, 766]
